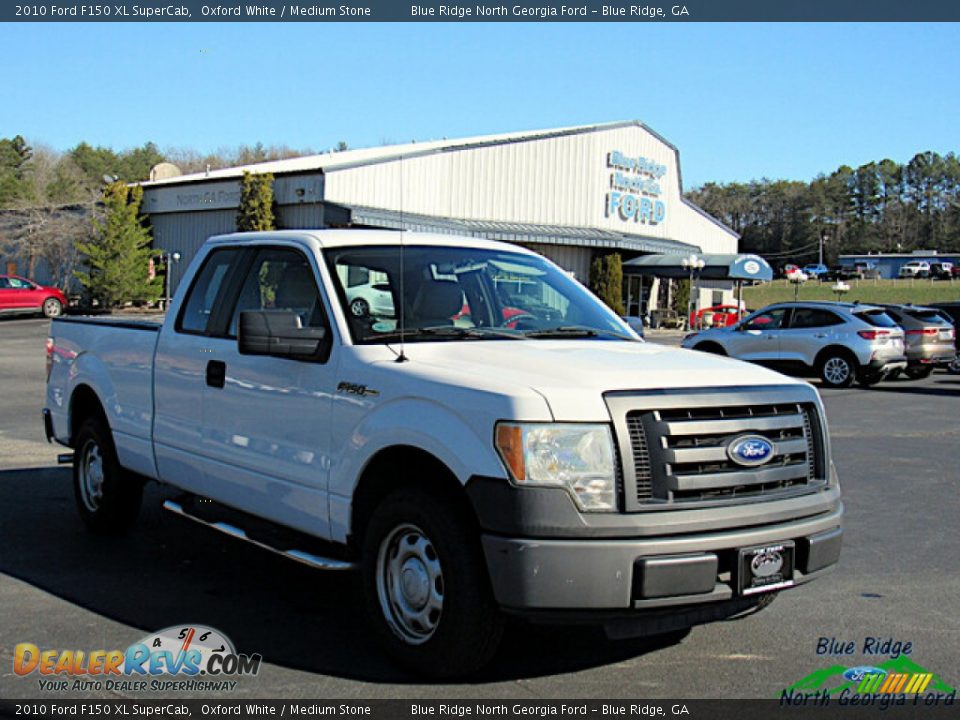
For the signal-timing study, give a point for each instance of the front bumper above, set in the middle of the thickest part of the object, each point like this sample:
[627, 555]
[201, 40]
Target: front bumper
[647, 573]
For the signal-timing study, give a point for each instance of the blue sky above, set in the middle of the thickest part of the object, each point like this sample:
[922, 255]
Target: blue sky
[741, 101]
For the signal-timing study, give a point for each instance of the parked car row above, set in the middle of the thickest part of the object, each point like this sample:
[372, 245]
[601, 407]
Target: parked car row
[841, 343]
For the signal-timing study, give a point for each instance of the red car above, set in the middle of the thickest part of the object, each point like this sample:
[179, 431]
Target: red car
[723, 315]
[19, 295]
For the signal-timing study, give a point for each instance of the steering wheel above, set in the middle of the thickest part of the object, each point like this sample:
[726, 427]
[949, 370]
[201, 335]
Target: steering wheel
[514, 321]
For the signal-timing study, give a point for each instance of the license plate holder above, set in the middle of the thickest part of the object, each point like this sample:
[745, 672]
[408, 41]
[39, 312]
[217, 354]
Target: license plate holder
[766, 568]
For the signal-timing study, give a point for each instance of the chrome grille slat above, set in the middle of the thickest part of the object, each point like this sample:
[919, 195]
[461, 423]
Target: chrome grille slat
[758, 476]
[719, 453]
[714, 427]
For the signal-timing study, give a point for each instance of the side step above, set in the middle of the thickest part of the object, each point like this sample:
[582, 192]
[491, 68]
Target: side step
[302, 556]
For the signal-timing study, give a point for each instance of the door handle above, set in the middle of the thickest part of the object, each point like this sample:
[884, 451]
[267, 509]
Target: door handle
[216, 373]
[820, 335]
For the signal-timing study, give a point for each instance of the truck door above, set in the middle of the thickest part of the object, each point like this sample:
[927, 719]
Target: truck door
[183, 351]
[266, 420]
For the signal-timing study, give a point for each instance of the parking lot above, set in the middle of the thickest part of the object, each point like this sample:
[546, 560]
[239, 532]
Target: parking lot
[895, 447]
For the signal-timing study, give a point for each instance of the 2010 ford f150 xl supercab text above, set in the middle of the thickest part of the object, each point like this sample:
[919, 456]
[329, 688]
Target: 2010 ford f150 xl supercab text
[480, 436]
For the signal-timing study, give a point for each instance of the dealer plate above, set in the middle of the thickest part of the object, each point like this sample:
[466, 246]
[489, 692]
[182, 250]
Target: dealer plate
[766, 568]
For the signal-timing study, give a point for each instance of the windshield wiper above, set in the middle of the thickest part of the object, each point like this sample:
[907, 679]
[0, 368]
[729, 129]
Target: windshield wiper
[469, 332]
[577, 331]
[452, 331]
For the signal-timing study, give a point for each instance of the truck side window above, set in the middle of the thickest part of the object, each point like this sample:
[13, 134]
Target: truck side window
[205, 291]
[280, 279]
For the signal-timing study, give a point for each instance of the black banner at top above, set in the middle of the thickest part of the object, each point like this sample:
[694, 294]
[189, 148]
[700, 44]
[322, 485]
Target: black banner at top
[615, 11]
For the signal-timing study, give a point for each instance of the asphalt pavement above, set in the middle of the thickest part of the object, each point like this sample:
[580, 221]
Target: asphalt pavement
[895, 447]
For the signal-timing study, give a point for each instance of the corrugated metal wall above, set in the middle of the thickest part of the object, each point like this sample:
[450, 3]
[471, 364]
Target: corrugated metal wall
[573, 259]
[555, 181]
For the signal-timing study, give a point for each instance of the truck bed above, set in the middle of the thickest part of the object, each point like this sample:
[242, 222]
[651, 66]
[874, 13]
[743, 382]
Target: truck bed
[114, 357]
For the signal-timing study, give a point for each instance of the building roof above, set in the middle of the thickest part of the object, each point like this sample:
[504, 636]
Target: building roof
[364, 156]
[514, 232]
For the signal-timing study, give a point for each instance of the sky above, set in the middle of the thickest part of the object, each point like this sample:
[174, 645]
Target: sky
[740, 101]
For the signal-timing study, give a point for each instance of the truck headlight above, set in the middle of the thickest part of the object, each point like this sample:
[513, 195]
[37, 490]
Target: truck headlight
[577, 457]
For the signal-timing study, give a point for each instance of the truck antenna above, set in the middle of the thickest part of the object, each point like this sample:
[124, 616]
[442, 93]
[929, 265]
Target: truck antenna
[402, 357]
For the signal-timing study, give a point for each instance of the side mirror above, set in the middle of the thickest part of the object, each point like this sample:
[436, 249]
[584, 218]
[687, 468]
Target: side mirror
[278, 333]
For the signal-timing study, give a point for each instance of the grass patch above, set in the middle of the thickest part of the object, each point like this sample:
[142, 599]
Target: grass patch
[918, 292]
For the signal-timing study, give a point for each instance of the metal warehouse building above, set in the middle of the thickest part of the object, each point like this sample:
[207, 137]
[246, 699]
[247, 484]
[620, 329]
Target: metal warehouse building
[566, 193]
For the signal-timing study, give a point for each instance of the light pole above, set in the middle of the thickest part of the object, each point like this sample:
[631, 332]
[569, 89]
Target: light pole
[694, 263]
[823, 240]
[167, 259]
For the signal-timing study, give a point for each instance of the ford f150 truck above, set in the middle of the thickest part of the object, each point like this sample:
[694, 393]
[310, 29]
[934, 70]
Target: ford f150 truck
[492, 441]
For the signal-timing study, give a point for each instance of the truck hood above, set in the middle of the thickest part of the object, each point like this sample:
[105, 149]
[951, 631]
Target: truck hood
[572, 375]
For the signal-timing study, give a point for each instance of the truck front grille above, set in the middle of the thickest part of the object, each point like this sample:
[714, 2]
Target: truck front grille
[676, 449]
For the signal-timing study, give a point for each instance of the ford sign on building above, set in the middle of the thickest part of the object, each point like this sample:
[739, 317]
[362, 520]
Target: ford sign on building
[568, 193]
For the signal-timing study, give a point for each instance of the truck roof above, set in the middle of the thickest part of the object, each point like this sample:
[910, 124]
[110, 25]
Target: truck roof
[359, 238]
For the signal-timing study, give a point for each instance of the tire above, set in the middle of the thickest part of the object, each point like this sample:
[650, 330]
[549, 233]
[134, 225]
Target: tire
[869, 379]
[918, 373]
[108, 498]
[711, 348]
[837, 370]
[359, 307]
[954, 367]
[52, 308]
[444, 622]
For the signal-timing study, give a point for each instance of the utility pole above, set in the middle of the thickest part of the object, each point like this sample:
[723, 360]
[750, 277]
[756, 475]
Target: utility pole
[823, 239]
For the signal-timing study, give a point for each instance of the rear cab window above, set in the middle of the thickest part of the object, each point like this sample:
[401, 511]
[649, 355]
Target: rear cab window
[206, 290]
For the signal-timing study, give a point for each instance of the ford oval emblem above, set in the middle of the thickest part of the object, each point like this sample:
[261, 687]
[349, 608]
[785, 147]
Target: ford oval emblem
[857, 673]
[750, 450]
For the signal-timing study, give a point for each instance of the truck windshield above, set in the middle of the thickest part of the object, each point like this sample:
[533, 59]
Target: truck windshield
[456, 293]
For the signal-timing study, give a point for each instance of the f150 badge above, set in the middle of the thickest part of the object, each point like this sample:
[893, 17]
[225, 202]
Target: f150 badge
[355, 389]
[750, 450]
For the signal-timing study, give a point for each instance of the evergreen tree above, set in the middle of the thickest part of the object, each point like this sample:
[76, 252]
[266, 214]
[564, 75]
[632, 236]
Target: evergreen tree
[118, 257]
[606, 281]
[256, 203]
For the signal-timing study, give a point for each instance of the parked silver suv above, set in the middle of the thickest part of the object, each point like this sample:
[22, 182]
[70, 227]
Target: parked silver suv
[838, 342]
[929, 338]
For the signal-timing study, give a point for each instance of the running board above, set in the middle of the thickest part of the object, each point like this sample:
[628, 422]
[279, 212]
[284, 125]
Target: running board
[315, 561]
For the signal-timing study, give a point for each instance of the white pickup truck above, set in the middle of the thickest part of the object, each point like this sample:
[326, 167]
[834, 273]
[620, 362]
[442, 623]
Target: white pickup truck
[488, 438]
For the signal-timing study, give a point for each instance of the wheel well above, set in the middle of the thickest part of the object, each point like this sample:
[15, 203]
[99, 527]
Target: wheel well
[710, 347]
[836, 350]
[403, 466]
[84, 404]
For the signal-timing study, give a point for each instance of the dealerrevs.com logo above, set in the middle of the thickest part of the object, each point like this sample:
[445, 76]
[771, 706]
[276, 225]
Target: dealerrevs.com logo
[178, 658]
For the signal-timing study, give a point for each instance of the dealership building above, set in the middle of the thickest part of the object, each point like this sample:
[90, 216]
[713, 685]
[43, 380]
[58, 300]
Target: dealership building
[569, 194]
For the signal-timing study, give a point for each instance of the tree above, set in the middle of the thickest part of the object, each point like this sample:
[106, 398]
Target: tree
[606, 281]
[118, 257]
[15, 155]
[256, 203]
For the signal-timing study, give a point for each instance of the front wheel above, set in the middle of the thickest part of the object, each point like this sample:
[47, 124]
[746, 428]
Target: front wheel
[52, 308]
[426, 586]
[954, 367]
[919, 373]
[108, 498]
[837, 371]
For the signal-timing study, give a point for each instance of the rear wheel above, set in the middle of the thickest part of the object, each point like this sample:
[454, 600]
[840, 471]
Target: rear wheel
[108, 498]
[919, 373]
[426, 586]
[868, 379]
[837, 370]
[52, 308]
[359, 307]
